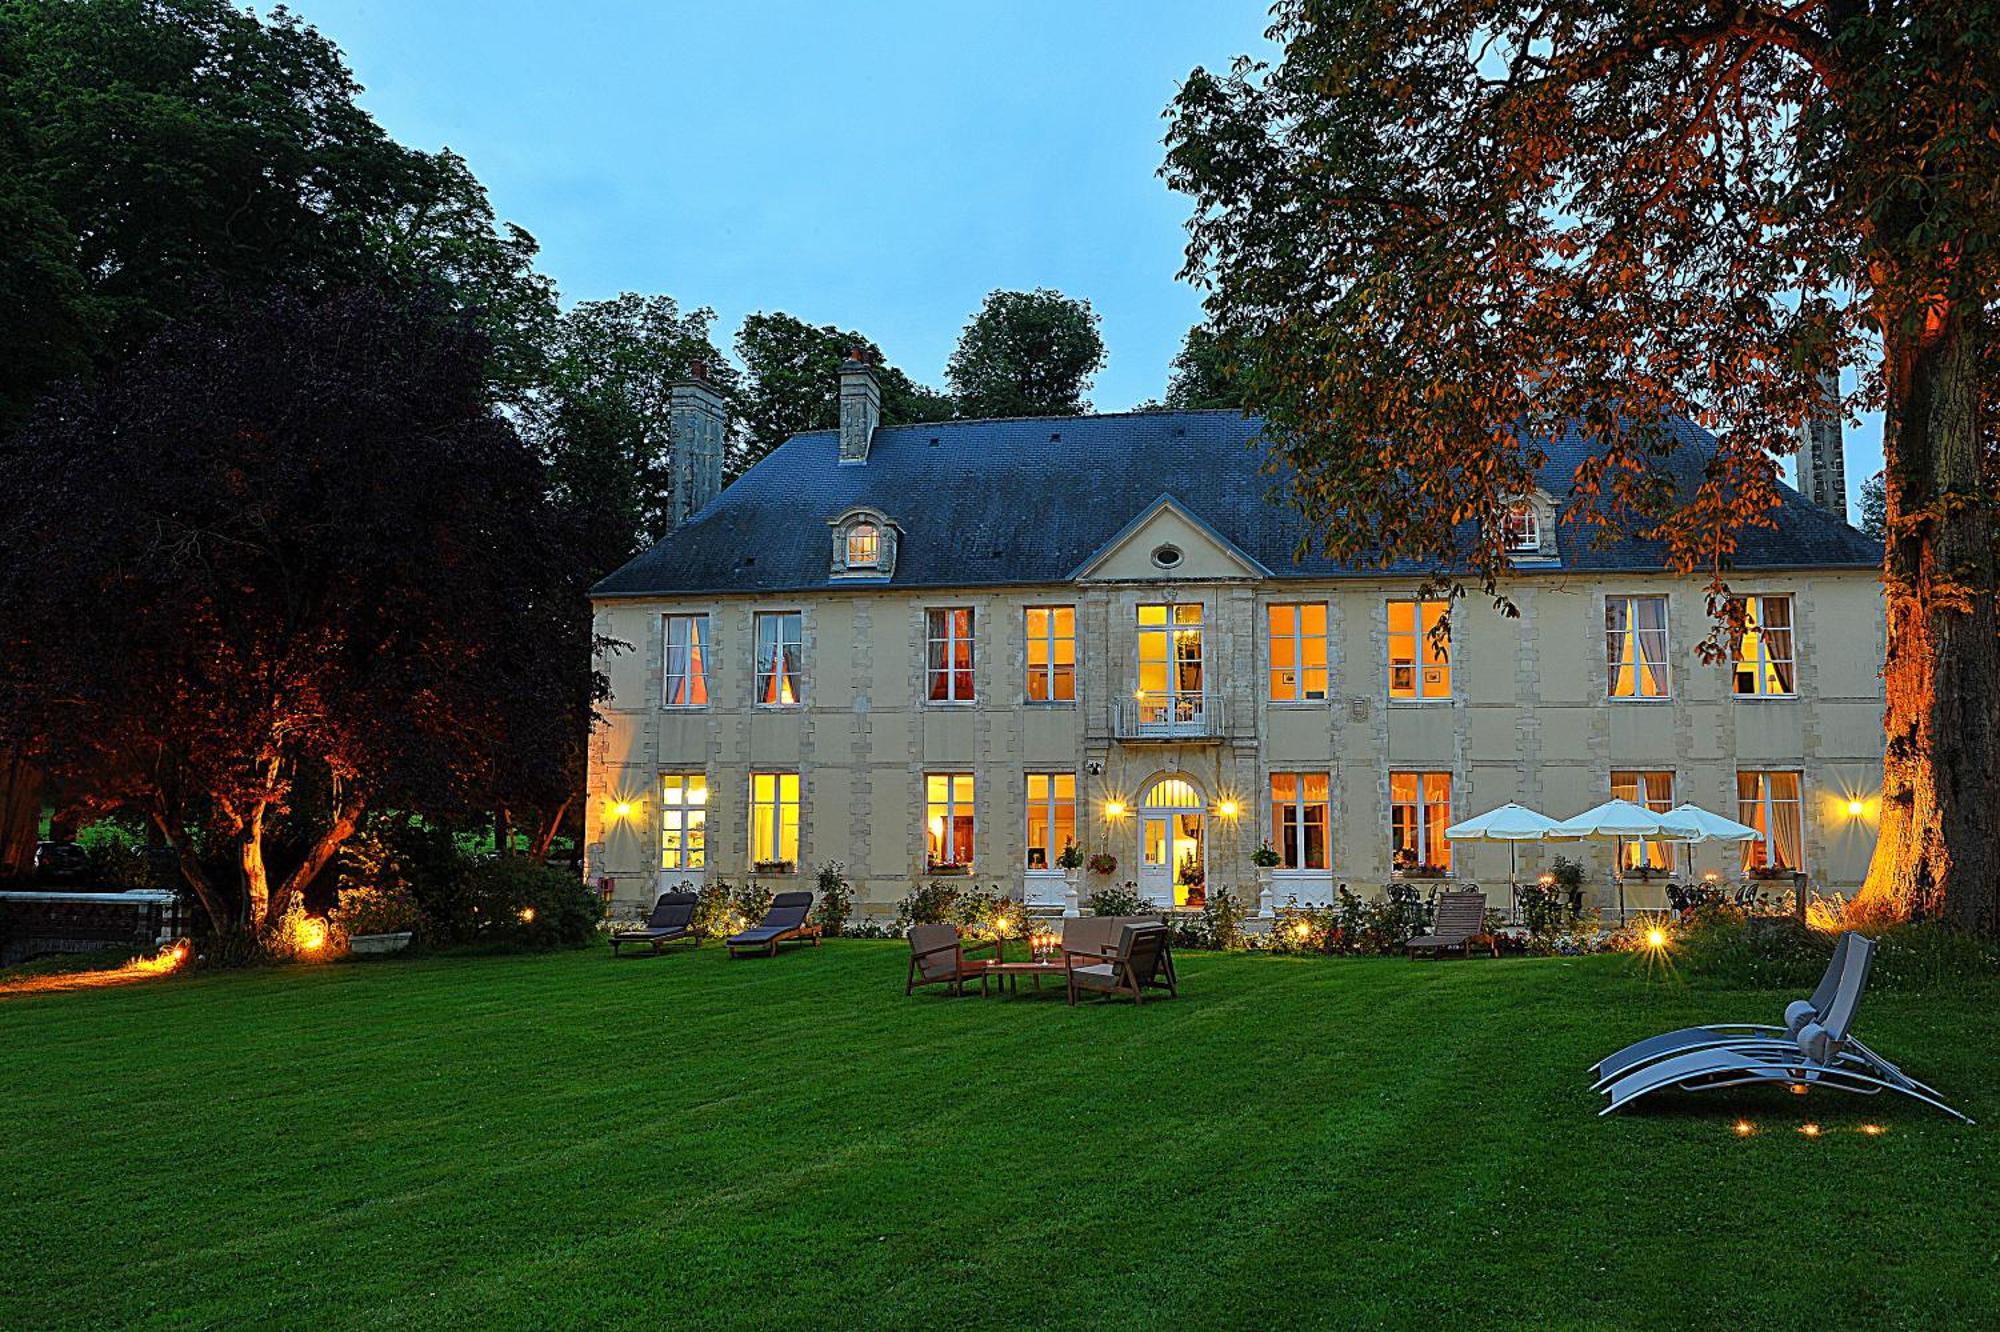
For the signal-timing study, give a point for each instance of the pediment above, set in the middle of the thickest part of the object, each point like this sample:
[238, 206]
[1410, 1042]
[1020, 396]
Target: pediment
[1138, 553]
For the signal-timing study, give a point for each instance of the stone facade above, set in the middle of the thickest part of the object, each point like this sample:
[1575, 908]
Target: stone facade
[1527, 718]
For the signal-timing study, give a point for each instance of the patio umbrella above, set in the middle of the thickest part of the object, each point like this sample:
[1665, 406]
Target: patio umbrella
[1511, 823]
[1710, 827]
[1622, 820]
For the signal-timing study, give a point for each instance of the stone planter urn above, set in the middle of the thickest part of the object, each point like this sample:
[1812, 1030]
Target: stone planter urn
[1267, 896]
[368, 945]
[1072, 890]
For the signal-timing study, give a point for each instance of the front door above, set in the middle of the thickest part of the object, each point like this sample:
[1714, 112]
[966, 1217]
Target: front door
[1172, 865]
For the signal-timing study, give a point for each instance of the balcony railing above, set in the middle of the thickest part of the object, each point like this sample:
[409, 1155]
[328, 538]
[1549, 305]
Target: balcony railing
[1169, 719]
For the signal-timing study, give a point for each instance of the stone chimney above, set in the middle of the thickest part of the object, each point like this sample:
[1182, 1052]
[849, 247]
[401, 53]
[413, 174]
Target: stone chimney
[697, 422]
[1822, 455]
[860, 407]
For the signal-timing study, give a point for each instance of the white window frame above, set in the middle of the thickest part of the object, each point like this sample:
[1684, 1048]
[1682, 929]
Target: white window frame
[1298, 639]
[1299, 803]
[870, 556]
[1048, 640]
[1042, 814]
[1420, 646]
[1423, 819]
[1521, 528]
[701, 648]
[951, 813]
[1762, 664]
[774, 810]
[760, 676]
[1647, 851]
[1173, 706]
[1628, 639]
[950, 640]
[1758, 854]
[687, 815]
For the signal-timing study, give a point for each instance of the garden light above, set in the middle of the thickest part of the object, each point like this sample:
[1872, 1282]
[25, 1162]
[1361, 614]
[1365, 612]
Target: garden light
[1810, 1130]
[527, 915]
[1656, 938]
[1744, 1128]
[312, 934]
[1873, 1130]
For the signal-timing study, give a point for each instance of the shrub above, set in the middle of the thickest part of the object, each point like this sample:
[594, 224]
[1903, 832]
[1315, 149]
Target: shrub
[714, 911]
[517, 903]
[372, 890]
[1722, 945]
[1930, 955]
[120, 866]
[836, 900]
[982, 911]
[1219, 926]
[926, 904]
[1118, 900]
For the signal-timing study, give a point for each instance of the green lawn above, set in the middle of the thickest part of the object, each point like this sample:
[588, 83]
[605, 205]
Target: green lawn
[564, 1140]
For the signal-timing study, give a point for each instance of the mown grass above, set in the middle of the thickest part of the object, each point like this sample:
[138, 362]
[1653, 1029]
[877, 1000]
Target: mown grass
[566, 1140]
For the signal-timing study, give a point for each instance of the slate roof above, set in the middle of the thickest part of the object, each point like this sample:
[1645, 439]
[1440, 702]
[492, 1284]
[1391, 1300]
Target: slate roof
[1029, 500]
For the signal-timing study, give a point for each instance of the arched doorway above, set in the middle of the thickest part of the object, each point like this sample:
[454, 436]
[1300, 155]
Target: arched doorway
[1173, 845]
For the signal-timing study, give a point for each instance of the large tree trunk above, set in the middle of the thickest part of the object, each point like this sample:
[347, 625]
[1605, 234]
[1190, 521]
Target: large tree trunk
[256, 878]
[346, 819]
[1937, 853]
[20, 815]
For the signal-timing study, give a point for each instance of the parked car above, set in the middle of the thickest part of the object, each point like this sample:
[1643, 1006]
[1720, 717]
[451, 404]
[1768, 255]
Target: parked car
[61, 862]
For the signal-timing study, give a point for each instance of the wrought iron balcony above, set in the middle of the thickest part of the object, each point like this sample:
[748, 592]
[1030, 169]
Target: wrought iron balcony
[1178, 719]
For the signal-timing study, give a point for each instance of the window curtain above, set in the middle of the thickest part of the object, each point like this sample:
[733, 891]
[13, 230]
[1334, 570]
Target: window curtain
[1651, 616]
[1776, 614]
[1786, 833]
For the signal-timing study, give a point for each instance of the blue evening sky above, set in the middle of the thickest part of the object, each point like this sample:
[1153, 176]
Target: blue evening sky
[879, 165]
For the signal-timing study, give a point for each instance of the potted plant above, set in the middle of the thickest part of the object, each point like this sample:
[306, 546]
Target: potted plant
[1265, 858]
[1071, 861]
[774, 867]
[1103, 863]
[950, 867]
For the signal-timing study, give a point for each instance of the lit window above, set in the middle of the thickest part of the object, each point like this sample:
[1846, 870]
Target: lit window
[686, 661]
[1051, 817]
[1299, 820]
[1635, 647]
[864, 546]
[1298, 653]
[1655, 791]
[1419, 812]
[948, 820]
[950, 654]
[1769, 802]
[774, 818]
[683, 821]
[1051, 654]
[1764, 657]
[1523, 529]
[1170, 664]
[780, 648]
[1419, 665]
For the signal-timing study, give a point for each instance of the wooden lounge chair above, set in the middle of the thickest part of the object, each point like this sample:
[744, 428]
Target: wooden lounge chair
[672, 919]
[1141, 960]
[1095, 938]
[937, 957]
[786, 922]
[1460, 916]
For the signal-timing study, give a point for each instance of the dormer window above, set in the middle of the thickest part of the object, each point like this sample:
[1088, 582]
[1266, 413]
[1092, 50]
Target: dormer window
[1524, 529]
[864, 546]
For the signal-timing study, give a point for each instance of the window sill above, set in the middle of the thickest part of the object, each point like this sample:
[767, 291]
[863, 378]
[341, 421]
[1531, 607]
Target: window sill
[948, 871]
[1445, 701]
[1048, 703]
[1298, 703]
[951, 702]
[1765, 698]
[781, 869]
[1640, 699]
[683, 707]
[778, 707]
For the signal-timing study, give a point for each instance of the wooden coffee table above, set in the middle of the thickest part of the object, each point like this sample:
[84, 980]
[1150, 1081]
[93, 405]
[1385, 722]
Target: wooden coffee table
[1010, 973]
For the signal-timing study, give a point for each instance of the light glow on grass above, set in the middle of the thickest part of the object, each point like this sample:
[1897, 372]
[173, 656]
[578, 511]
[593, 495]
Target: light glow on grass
[1809, 1130]
[168, 960]
[1744, 1128]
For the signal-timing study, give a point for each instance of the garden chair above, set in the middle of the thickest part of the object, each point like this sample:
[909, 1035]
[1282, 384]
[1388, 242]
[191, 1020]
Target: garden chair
[1688, 1039]
[1461, 916]
[938, 957]
[785, 922]
[1822, 1054]
[1141, 960]
[1096, 937]
[672, 919]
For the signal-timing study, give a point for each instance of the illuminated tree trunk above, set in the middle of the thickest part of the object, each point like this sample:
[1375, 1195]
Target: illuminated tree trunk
[256, 878]
[20, 816]
[1935, 855]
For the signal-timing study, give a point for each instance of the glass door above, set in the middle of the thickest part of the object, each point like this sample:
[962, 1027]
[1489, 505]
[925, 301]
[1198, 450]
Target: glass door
[1170, 665]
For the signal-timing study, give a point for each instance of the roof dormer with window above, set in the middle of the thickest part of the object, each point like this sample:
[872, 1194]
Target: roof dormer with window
[1530, 529]
[864, 546]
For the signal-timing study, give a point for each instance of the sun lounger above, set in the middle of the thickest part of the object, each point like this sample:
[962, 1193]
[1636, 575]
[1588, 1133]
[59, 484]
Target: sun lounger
[672, 919]
[1461, 917]
[785, 922]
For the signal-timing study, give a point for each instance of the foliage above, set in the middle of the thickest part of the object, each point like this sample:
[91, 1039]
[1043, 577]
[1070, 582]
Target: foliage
[1721, 945]
[159, 158]
[1445, 230]
[1874, 508]
[1201, 375]
[835, 903]
[1071, 856]
[517, 903]
[714, 910]
[322, 577]
[1104, 863]
[1026, 353]
[1265, 856]
[1218, 926]
[374, 892]
[928, 903]
[984, 912]
[1118, 900]
[793, 383]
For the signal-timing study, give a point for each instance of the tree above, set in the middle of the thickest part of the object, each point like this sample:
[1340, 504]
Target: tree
[1875, 508]
[601, 420]
[1432, 226]
[278, 570]
[1202, 375]
[163, 158]
[1026, 353]
[793, 383]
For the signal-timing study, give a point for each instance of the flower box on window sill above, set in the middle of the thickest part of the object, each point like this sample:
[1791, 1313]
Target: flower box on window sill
[1770, 873]
[1423, 873]
[774, 867]
[953, 870]
[1647, 873]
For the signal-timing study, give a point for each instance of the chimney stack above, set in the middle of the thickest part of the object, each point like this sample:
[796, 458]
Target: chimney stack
[1822, 455]
[697, 422]
[860, 407]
